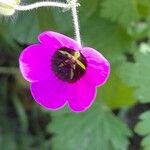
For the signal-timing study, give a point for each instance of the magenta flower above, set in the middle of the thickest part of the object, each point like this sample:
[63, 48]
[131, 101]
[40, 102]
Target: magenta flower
[62, 72]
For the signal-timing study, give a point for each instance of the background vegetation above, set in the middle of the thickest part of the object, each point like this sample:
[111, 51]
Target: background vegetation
[120, 117]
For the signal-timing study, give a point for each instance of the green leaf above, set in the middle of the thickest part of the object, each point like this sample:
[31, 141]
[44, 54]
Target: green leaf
[64, 19]
[46, 20]
[94, 129]
[124, 12]
[21, 114]
[144, 7]
[5, 36]
[7, 142]
[27, 26]
[25, 29]
[143, 128]
[116, 93]
[137, 74]
[109, 38]
[91, 6]
[140, 31]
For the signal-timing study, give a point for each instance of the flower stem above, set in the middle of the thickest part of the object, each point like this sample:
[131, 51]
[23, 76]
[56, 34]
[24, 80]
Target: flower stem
[71, 4]
[40, 4]
[76, 22]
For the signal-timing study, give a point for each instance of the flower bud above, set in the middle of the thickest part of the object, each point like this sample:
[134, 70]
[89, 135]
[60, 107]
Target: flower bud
[7, 7]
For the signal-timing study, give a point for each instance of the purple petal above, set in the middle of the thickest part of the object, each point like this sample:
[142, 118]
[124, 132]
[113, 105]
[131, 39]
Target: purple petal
[35, 62]
[49, 93]
[98, 68]
[82, 95]
[58, 40]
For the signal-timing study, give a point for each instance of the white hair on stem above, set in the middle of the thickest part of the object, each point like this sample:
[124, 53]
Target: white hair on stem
[40, 4]
[70, 4]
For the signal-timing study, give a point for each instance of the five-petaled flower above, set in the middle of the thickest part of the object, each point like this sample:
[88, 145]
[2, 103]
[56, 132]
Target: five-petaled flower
[62, 72]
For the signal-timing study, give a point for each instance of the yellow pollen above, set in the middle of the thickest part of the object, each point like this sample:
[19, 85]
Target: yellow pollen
[75, 57]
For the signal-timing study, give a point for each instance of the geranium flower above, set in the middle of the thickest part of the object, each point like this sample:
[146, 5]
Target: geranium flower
[61, 72]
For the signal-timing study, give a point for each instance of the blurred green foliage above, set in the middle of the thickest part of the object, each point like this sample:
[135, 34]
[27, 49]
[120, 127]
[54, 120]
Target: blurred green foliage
[143, 129]
[95, 129]
[120, 30]
[138, 75]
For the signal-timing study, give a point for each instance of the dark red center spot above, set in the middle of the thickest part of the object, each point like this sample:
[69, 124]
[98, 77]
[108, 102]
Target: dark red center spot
[67, 65]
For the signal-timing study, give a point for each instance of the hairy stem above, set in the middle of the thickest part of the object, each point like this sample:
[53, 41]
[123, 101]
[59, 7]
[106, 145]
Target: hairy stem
[72, 4]
[40, 4]
[76, 22]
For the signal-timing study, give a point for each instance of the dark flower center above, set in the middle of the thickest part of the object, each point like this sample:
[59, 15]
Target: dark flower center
[69, 65]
